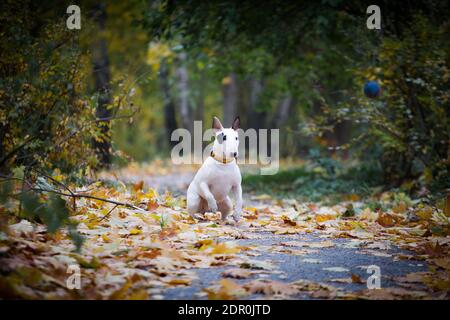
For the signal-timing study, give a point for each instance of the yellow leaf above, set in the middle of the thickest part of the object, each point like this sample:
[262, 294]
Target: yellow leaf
[176, 282]
[203, 244]
[121, 292]
[356, 278]
[368, 214]
[400, 207]
[152, 205]
[236, 273]
[135, 231]
[324, 217]
[443, 263]
[156, 217]
[105, 238]
[286, 231]
[228, 290]
[152, 194]
[223, 248]
[138, 186]
[288, 220]
[92, 225]
[385, 220]
[425, 213]
[140, 294]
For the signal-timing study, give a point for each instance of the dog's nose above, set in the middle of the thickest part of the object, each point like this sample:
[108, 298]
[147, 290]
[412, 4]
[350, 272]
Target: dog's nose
[235, 154]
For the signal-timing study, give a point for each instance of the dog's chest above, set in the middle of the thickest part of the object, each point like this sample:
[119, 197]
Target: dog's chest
[221, 179]
[220, 187]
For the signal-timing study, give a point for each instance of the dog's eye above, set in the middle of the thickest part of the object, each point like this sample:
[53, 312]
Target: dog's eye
[224, 137]
[236, 138]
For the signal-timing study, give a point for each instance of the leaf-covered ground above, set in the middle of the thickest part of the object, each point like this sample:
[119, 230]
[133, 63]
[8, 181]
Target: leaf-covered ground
[281, 249]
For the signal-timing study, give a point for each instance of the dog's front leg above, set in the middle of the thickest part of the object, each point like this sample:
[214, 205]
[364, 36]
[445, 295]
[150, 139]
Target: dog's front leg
[208, 196]
[237, 191]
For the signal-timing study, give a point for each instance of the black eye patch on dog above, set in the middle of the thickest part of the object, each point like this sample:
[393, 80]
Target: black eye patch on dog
[221, 137]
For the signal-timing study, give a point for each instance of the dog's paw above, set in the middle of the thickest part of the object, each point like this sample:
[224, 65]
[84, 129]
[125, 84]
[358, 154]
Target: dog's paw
[236, 217]
[229, 222]
[213, 216]
[213, 207]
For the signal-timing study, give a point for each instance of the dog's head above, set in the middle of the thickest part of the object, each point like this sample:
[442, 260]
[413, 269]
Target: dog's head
[227, 140]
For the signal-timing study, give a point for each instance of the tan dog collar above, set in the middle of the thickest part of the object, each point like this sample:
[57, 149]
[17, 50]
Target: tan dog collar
[223, 160]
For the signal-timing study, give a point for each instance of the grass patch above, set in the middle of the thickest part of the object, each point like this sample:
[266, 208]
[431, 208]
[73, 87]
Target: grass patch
[314, 184]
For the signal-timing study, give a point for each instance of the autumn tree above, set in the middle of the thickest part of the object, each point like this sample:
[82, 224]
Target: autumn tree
[102, 79]
[47, 117]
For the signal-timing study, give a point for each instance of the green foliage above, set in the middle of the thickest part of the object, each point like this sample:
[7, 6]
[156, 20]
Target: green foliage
[409, 122]
[321, 54]
[46, 120]
[311, 183]
[52, 210]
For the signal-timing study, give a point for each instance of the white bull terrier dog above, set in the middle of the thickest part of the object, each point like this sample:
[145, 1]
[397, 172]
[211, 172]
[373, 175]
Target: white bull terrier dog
[218, 175]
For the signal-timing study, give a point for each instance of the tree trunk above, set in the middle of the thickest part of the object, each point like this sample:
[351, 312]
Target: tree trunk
[256, 118]
[280, 117]
[230, 99]
[169, 105]
[200, 110]
[183, 89]
[282, 113]
[342, 132]
[4, 168]
[100, 62]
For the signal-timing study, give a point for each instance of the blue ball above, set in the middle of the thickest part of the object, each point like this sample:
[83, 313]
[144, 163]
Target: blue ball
[372, 89]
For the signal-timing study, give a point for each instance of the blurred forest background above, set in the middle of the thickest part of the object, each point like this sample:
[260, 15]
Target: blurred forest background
[86, 118]
[73, 101]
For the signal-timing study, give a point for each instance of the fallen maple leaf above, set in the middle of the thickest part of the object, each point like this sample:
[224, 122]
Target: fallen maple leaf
[270, 287]
[442, 262]
[140, 294]
[152, 205]
[105, 238]
[356, 278]
[385, 220]
[424, 213]
[175, 282]
[224, 248]
[401, 207]
[138, 186]
[288, 220]
[228, 290]
[434, 250]
[342, 280]
[412, 277]
[135, 231]
[236, 273]
[150, 254]
[324, 217]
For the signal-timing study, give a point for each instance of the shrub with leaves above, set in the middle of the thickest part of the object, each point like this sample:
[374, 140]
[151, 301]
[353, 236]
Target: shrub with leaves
[406, 129]
[47, 119]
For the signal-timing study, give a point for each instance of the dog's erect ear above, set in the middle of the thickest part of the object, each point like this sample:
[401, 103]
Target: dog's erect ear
[216, 125]
[236, 123]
